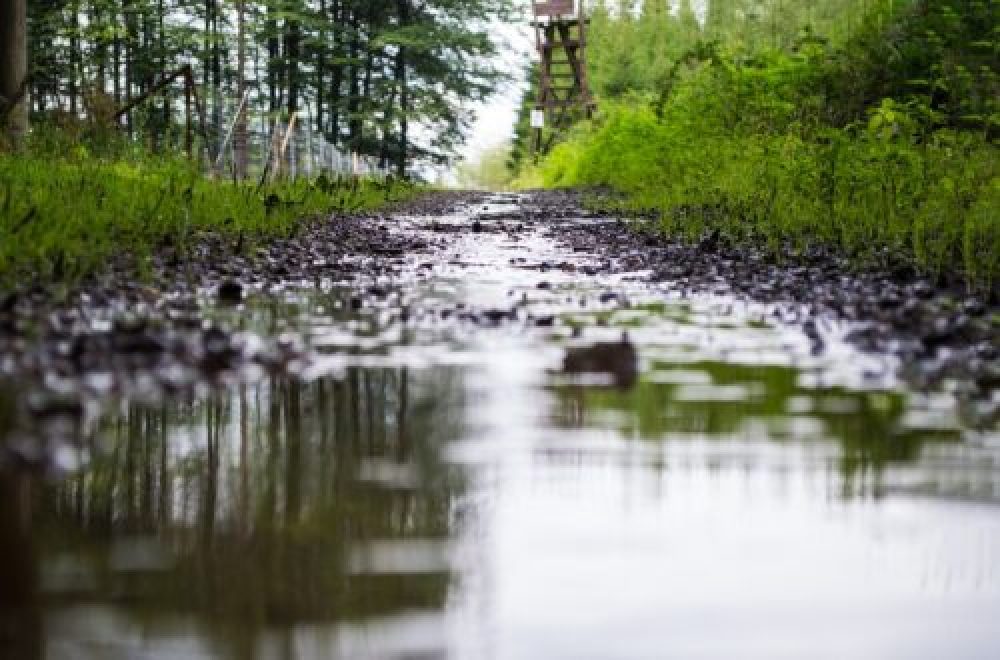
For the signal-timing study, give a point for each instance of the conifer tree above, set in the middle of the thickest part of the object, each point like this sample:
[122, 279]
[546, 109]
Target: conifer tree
[391, 79]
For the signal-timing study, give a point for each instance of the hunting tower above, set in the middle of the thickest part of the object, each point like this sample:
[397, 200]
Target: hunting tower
[561, 42]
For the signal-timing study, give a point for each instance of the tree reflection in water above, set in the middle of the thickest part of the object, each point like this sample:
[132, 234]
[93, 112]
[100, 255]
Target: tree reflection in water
[232, 524]
[252, 509]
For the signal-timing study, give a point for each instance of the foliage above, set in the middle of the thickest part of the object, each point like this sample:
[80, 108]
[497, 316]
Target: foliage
[865, 191]
[489, 171]
[363, 73]
[882, 143]
[62, 220]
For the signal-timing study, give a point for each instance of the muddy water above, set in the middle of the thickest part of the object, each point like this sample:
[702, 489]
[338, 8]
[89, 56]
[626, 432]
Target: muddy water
[436, 485]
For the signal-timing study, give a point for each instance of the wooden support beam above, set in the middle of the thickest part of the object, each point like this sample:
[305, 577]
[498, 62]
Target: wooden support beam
[560, 40]
[569, 45]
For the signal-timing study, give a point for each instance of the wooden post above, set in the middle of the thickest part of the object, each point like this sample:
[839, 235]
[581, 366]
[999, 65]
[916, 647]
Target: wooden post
[280, 154]
[581, 72]
[217, 164]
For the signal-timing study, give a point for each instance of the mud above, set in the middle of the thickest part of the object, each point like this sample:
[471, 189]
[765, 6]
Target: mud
[162, 334]
[938, 332]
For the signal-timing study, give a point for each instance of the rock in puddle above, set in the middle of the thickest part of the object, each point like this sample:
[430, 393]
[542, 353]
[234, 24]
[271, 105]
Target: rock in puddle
[895, 311]
[618, 359]
[230, 292]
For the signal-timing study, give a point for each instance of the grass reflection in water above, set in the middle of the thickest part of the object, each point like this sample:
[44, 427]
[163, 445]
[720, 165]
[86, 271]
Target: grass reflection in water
[865, 433]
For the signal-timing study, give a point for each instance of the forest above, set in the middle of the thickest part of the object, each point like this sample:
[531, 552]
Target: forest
[869, 127]
[361, 74]
[703, 361]
[116, 91]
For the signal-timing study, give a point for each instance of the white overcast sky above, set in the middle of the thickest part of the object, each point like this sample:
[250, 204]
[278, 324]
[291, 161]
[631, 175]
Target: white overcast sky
[494, 122]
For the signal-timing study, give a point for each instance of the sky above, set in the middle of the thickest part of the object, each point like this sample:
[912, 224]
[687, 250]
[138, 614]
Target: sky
[495, 119]
[494, 122]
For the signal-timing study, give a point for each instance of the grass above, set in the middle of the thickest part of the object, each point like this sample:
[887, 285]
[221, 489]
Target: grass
[888, 201]
[884, 147]
[62, 219]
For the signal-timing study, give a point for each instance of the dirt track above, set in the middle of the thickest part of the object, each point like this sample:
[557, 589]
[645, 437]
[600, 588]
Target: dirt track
[183, 327]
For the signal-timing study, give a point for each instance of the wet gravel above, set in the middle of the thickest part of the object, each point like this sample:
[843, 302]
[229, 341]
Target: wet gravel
[149, 336]
[154, 336]
[939, 332]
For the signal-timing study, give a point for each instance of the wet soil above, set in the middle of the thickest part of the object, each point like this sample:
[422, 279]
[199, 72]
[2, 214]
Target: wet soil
[938, 332]
[132, 323]
[496, 426]
[160, 334]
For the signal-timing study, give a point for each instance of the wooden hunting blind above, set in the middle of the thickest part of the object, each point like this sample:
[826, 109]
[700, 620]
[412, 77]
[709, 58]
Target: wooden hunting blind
[561, 42]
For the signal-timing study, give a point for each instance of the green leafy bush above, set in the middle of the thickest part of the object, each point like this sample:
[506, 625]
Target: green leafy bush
[818, 143]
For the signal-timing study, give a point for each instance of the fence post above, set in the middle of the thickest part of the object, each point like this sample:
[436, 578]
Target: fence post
[293, 156]
[288, 134]
[229, 133]
[309, 147]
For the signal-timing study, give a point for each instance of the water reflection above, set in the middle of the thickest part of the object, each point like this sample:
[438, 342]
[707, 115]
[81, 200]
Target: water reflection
[250, 510]
[328, 518]
[871, 431]
[20, 606]
[744, 497]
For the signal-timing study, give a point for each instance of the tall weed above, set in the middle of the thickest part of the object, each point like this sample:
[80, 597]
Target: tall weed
[62, 219]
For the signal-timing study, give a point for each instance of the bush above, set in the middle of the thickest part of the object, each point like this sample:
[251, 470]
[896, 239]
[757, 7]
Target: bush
[813, 145]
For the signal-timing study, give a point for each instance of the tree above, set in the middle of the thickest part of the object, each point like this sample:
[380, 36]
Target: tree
[14, 68]
[687, 20]
[389, 79]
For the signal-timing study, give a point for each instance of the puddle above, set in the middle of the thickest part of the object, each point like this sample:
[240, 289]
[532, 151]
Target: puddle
[436, 486]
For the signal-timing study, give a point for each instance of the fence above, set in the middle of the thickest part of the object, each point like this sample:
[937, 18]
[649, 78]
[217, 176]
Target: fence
[277, 149]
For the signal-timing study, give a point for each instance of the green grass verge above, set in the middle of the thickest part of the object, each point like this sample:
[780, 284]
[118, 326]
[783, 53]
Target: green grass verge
[884, 146]
[934, 204]
[61, 220]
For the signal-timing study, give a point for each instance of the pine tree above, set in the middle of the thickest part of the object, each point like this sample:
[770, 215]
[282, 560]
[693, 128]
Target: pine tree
[362, 73]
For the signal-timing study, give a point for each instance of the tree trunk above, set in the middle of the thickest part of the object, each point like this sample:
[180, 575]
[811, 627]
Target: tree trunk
[162, 51]
[293, 39]
[100, 52]
[240, 135]
[320, 68]
[333, 131]
[217, 79]
[14, 68]
[116, 68]
[75, 58]
[129, 56]
[404, 96]
[273, 66]
[353, 96]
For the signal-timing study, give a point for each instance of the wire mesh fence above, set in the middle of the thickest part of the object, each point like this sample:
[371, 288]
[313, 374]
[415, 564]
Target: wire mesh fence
[272, 149]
